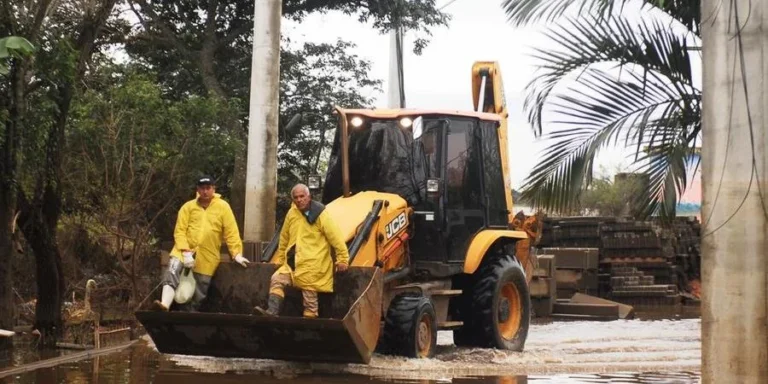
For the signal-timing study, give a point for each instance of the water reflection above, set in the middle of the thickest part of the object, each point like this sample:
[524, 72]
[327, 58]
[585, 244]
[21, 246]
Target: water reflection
[140, 365]
[666, 351]
[197, 378]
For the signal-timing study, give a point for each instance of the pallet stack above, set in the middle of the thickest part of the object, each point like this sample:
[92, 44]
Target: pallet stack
[637, 262]
[577, 232]
[576, 270]
[543, 286]
[632, 286]
[685, 243]
[638, 245]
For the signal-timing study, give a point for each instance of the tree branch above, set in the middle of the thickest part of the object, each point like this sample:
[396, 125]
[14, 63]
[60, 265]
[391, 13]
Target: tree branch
[234, 33]
[40, 15]
[210, 22]
[167, 35]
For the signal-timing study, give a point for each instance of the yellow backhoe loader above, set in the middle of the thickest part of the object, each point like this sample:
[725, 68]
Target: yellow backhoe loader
[423, 198]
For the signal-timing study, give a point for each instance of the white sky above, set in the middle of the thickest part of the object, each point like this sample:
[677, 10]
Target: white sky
[440, 77]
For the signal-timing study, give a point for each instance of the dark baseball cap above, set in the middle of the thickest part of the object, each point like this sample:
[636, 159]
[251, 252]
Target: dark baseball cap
[206, 180]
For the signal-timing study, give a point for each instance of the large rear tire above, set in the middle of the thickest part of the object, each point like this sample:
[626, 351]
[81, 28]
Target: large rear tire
[498, 312]
[410, 328]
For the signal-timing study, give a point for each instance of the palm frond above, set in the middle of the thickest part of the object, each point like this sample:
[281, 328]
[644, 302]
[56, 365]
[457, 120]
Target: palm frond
[582, 43]
[686, 12]
[594, 112]
[524, 12]
[666, 164]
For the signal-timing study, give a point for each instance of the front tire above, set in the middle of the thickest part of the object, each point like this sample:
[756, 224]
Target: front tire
[499, 307]
[410, 328]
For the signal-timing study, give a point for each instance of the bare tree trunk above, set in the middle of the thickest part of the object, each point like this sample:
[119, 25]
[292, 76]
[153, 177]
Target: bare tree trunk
[50, 281]
[6, 265]
[9, 148]
[39, 219]
[40, 214]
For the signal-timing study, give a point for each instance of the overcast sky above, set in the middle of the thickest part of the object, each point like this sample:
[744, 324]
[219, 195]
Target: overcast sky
[440, 77]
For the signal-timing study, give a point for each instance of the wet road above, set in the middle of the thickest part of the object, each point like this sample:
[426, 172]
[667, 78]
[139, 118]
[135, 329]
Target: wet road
[632, 351]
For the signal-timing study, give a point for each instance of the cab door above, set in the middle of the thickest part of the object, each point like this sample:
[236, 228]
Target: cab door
[428, 241]
[464, 201]
[463, 153]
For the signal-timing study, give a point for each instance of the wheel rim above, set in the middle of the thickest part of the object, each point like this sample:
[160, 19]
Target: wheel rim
[509, 315]
[424, 335]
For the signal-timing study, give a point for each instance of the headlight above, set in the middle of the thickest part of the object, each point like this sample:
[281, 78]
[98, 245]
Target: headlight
[433, 185]
[356, 121]
[406, 122]
[313, 182]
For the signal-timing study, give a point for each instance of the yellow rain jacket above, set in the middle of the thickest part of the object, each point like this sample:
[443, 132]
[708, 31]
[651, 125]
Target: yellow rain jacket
[203, 230]
[313, 234]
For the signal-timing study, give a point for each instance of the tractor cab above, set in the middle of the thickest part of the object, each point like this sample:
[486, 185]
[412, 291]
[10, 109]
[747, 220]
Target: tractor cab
[446, 165]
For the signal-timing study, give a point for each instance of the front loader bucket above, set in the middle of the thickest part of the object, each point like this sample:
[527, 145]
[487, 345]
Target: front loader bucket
[346, 331]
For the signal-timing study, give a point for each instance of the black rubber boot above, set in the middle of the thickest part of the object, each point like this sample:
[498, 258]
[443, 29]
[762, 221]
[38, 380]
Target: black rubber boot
[275, 303]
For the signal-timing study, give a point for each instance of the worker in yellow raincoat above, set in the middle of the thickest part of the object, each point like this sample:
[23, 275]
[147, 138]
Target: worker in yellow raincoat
[201, 225]
[312, 232]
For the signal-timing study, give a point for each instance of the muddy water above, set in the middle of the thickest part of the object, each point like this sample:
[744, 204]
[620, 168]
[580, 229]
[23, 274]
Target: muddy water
[631, 351]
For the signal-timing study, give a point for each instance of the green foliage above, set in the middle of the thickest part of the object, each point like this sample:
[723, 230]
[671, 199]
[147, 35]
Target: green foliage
[415, 16]
[134, 154]
[618, 197]
[135, 135]
[205, 48]
[611, 81]
[13, 47]
[315, 78]
[199, 47]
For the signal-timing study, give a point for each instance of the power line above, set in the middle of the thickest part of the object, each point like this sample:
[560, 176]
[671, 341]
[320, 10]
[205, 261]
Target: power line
[446, 4]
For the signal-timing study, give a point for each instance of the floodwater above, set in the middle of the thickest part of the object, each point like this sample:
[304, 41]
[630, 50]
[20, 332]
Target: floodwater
[623, 351]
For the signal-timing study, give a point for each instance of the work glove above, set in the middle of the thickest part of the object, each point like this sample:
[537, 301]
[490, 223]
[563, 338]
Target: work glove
[189, 260]
[173, 265]
[242, 260]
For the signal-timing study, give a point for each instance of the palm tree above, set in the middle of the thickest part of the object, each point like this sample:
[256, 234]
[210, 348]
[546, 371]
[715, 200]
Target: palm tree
[611, 81]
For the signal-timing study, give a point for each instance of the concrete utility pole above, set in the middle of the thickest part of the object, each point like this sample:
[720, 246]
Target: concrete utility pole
[735, 254]
[396, 88]
[261, 176]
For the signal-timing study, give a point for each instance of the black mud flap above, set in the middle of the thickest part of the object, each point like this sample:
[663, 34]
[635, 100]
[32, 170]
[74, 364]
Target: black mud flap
[346, 331]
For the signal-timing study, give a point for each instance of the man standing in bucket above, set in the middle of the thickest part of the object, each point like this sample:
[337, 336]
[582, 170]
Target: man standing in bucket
[311, 230]
[201, 225]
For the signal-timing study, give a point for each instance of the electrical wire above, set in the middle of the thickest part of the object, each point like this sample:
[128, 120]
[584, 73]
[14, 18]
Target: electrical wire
[727, 148]
[754, 174]
[749, 109]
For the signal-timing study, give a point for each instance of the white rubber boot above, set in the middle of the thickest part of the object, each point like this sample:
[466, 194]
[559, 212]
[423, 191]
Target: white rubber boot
[164, 303]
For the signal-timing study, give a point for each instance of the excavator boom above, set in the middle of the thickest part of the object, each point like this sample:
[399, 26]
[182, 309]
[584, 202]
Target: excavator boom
[488, 96]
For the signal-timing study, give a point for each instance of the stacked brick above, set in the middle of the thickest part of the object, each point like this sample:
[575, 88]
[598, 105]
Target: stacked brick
[628, 261]
[638, 245]
[579, 232]
[632, 286]
[684, 236]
